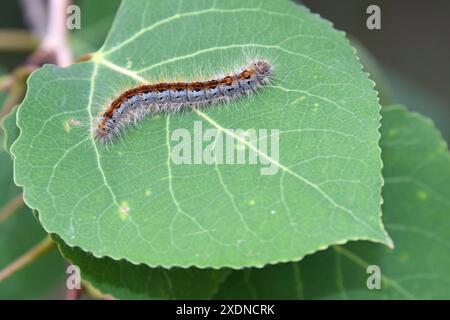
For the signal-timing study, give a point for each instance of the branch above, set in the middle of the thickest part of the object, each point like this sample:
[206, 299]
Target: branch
[17, 40]
[11, 207]
[34, 253]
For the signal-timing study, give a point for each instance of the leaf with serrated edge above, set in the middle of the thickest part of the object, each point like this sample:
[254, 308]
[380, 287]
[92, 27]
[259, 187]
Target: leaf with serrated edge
[130, 201]
[10, 130]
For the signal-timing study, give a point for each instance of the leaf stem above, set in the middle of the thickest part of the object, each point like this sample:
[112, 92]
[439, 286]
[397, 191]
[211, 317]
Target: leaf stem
[34, 253]
[11, 207]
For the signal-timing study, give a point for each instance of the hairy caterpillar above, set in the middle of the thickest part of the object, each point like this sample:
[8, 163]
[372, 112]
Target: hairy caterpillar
[134, 104]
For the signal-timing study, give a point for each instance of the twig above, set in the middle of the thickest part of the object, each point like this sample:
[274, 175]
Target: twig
[10, 207]
[41, 248]
[95, 292]
[17, 40]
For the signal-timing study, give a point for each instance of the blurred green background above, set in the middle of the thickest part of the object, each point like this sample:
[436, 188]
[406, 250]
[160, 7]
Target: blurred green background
[411, 50]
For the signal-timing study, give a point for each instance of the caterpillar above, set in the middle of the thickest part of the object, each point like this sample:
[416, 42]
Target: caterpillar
[135, 104]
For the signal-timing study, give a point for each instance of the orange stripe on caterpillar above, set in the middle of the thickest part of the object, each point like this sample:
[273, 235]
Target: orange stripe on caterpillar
[136, 103]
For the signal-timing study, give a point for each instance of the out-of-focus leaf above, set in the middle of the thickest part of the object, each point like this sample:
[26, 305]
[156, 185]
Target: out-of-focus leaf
[416, 212]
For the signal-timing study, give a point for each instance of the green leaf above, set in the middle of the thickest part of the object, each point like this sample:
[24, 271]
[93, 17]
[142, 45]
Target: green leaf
[124, 280]
[121, 279]
[10, 130]
[96, 20]
[416, 212]
[19, 233]
[131, 201]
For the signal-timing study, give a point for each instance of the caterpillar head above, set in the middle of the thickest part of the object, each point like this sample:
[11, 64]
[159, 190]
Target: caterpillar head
[102, 131]
[262, 68]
